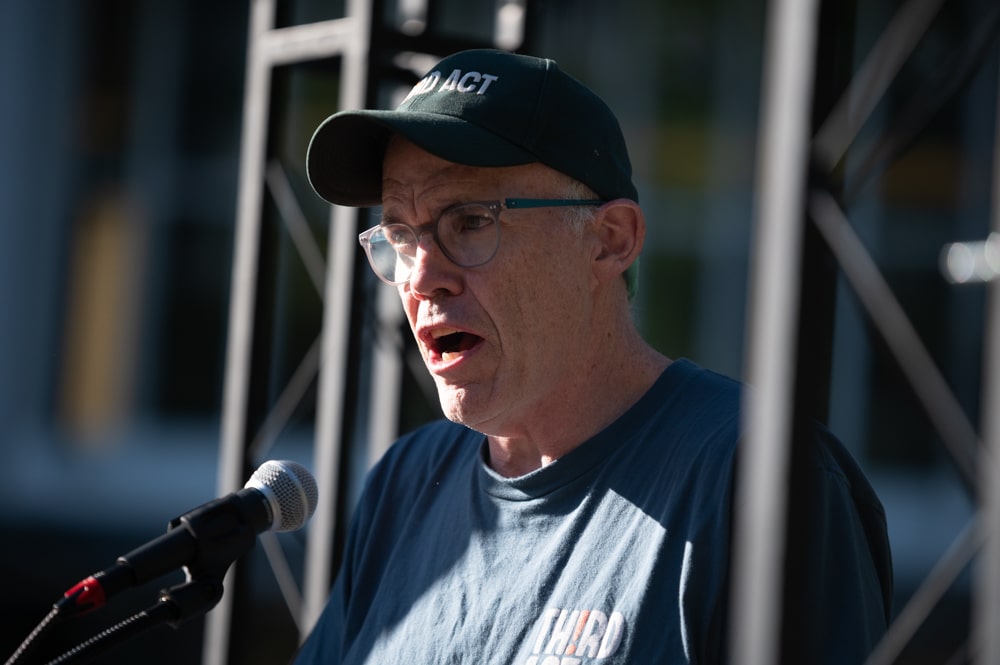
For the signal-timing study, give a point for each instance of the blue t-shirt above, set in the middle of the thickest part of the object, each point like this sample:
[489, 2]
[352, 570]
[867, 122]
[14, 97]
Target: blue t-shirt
[616, 553]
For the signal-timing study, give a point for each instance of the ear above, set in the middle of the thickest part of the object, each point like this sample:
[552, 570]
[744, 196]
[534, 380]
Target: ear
[620, 229]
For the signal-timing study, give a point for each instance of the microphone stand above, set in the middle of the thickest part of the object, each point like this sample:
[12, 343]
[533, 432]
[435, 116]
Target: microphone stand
[175, 606]
[220, 532]
[209, 538]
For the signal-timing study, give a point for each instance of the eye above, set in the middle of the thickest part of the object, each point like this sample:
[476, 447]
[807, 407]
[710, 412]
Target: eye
[399, 236]
[467, 219]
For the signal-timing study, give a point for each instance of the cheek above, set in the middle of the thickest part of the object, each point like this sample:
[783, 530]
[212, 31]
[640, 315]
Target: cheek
[410, 306]
[533, 317]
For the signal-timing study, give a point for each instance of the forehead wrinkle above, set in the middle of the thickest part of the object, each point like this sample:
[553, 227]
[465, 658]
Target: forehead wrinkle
[422, 182]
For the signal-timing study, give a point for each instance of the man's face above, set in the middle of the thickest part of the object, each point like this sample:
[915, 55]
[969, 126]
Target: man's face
[504, 341]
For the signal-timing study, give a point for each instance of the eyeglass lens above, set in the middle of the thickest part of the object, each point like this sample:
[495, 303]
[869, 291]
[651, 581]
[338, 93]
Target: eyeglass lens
[467, 234]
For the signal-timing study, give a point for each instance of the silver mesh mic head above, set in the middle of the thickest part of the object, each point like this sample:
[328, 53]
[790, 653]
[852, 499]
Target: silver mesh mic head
[291, 491]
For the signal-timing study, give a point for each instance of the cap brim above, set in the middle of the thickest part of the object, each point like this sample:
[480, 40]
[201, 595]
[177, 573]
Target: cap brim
[344, 159]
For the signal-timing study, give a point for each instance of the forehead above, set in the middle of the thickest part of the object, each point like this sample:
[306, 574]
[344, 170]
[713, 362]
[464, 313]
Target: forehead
[409, 170]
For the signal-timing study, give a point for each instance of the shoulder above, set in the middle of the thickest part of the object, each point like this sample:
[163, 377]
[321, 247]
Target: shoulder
[831, 457]
[700, 398]
[431, 444]
[432, 451]
[677, 447]
[693, 415]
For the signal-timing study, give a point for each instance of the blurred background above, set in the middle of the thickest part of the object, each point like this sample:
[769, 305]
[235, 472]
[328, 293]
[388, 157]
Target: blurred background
[120, 148]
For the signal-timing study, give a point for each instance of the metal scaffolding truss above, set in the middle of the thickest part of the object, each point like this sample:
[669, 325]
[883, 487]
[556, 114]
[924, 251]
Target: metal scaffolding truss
[364, 46]
[269, 47]
[790, 146]
[786, 198]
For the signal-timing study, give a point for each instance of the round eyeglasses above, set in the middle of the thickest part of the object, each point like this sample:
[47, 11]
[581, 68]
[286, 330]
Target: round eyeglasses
[467, 233]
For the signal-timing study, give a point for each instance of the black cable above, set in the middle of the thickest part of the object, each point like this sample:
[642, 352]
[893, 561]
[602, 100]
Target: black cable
[32, 639]
[116, 634]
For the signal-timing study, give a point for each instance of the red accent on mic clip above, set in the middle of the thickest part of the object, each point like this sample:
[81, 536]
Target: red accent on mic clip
[86, 595]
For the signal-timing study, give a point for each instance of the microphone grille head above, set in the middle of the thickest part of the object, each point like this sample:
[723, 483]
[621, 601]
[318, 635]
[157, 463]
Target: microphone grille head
[290, 489]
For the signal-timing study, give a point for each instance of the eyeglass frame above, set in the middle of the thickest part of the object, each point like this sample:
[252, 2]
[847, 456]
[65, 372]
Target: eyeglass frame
[495, 208]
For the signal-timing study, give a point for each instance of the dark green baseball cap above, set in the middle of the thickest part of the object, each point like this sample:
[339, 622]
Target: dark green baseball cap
[479, 108]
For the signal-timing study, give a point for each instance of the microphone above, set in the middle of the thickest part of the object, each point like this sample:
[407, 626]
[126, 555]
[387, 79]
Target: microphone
[280, 496]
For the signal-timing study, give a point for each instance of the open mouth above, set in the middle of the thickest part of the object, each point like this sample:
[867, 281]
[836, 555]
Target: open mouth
[449, 345]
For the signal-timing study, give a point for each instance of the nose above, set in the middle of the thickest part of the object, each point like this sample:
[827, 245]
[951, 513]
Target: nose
[432, 274]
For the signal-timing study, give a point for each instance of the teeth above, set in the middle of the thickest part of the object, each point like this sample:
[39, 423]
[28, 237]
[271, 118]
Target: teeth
[442, 332]
[448, 356]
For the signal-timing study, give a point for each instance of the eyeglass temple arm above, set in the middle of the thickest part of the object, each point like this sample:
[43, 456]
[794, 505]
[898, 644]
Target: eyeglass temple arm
[550, 203]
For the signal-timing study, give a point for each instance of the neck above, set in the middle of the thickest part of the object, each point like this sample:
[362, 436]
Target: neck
[596, 398]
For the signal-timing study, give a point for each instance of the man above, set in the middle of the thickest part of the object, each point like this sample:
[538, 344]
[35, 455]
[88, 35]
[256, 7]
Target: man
[575, 506]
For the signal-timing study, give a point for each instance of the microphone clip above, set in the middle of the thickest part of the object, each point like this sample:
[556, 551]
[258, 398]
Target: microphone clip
[221, 532]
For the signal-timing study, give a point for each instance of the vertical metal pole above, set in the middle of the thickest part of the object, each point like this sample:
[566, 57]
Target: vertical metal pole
[387, 373]
[986, 604]
[243, 295]
[335, 338]
[761, 490]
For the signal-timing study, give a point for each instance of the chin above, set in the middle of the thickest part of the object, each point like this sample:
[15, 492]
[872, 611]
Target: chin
[456, 406]
[456, 413]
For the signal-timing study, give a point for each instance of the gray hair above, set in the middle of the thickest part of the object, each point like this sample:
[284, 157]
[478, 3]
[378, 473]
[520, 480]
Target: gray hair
[579, 216]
